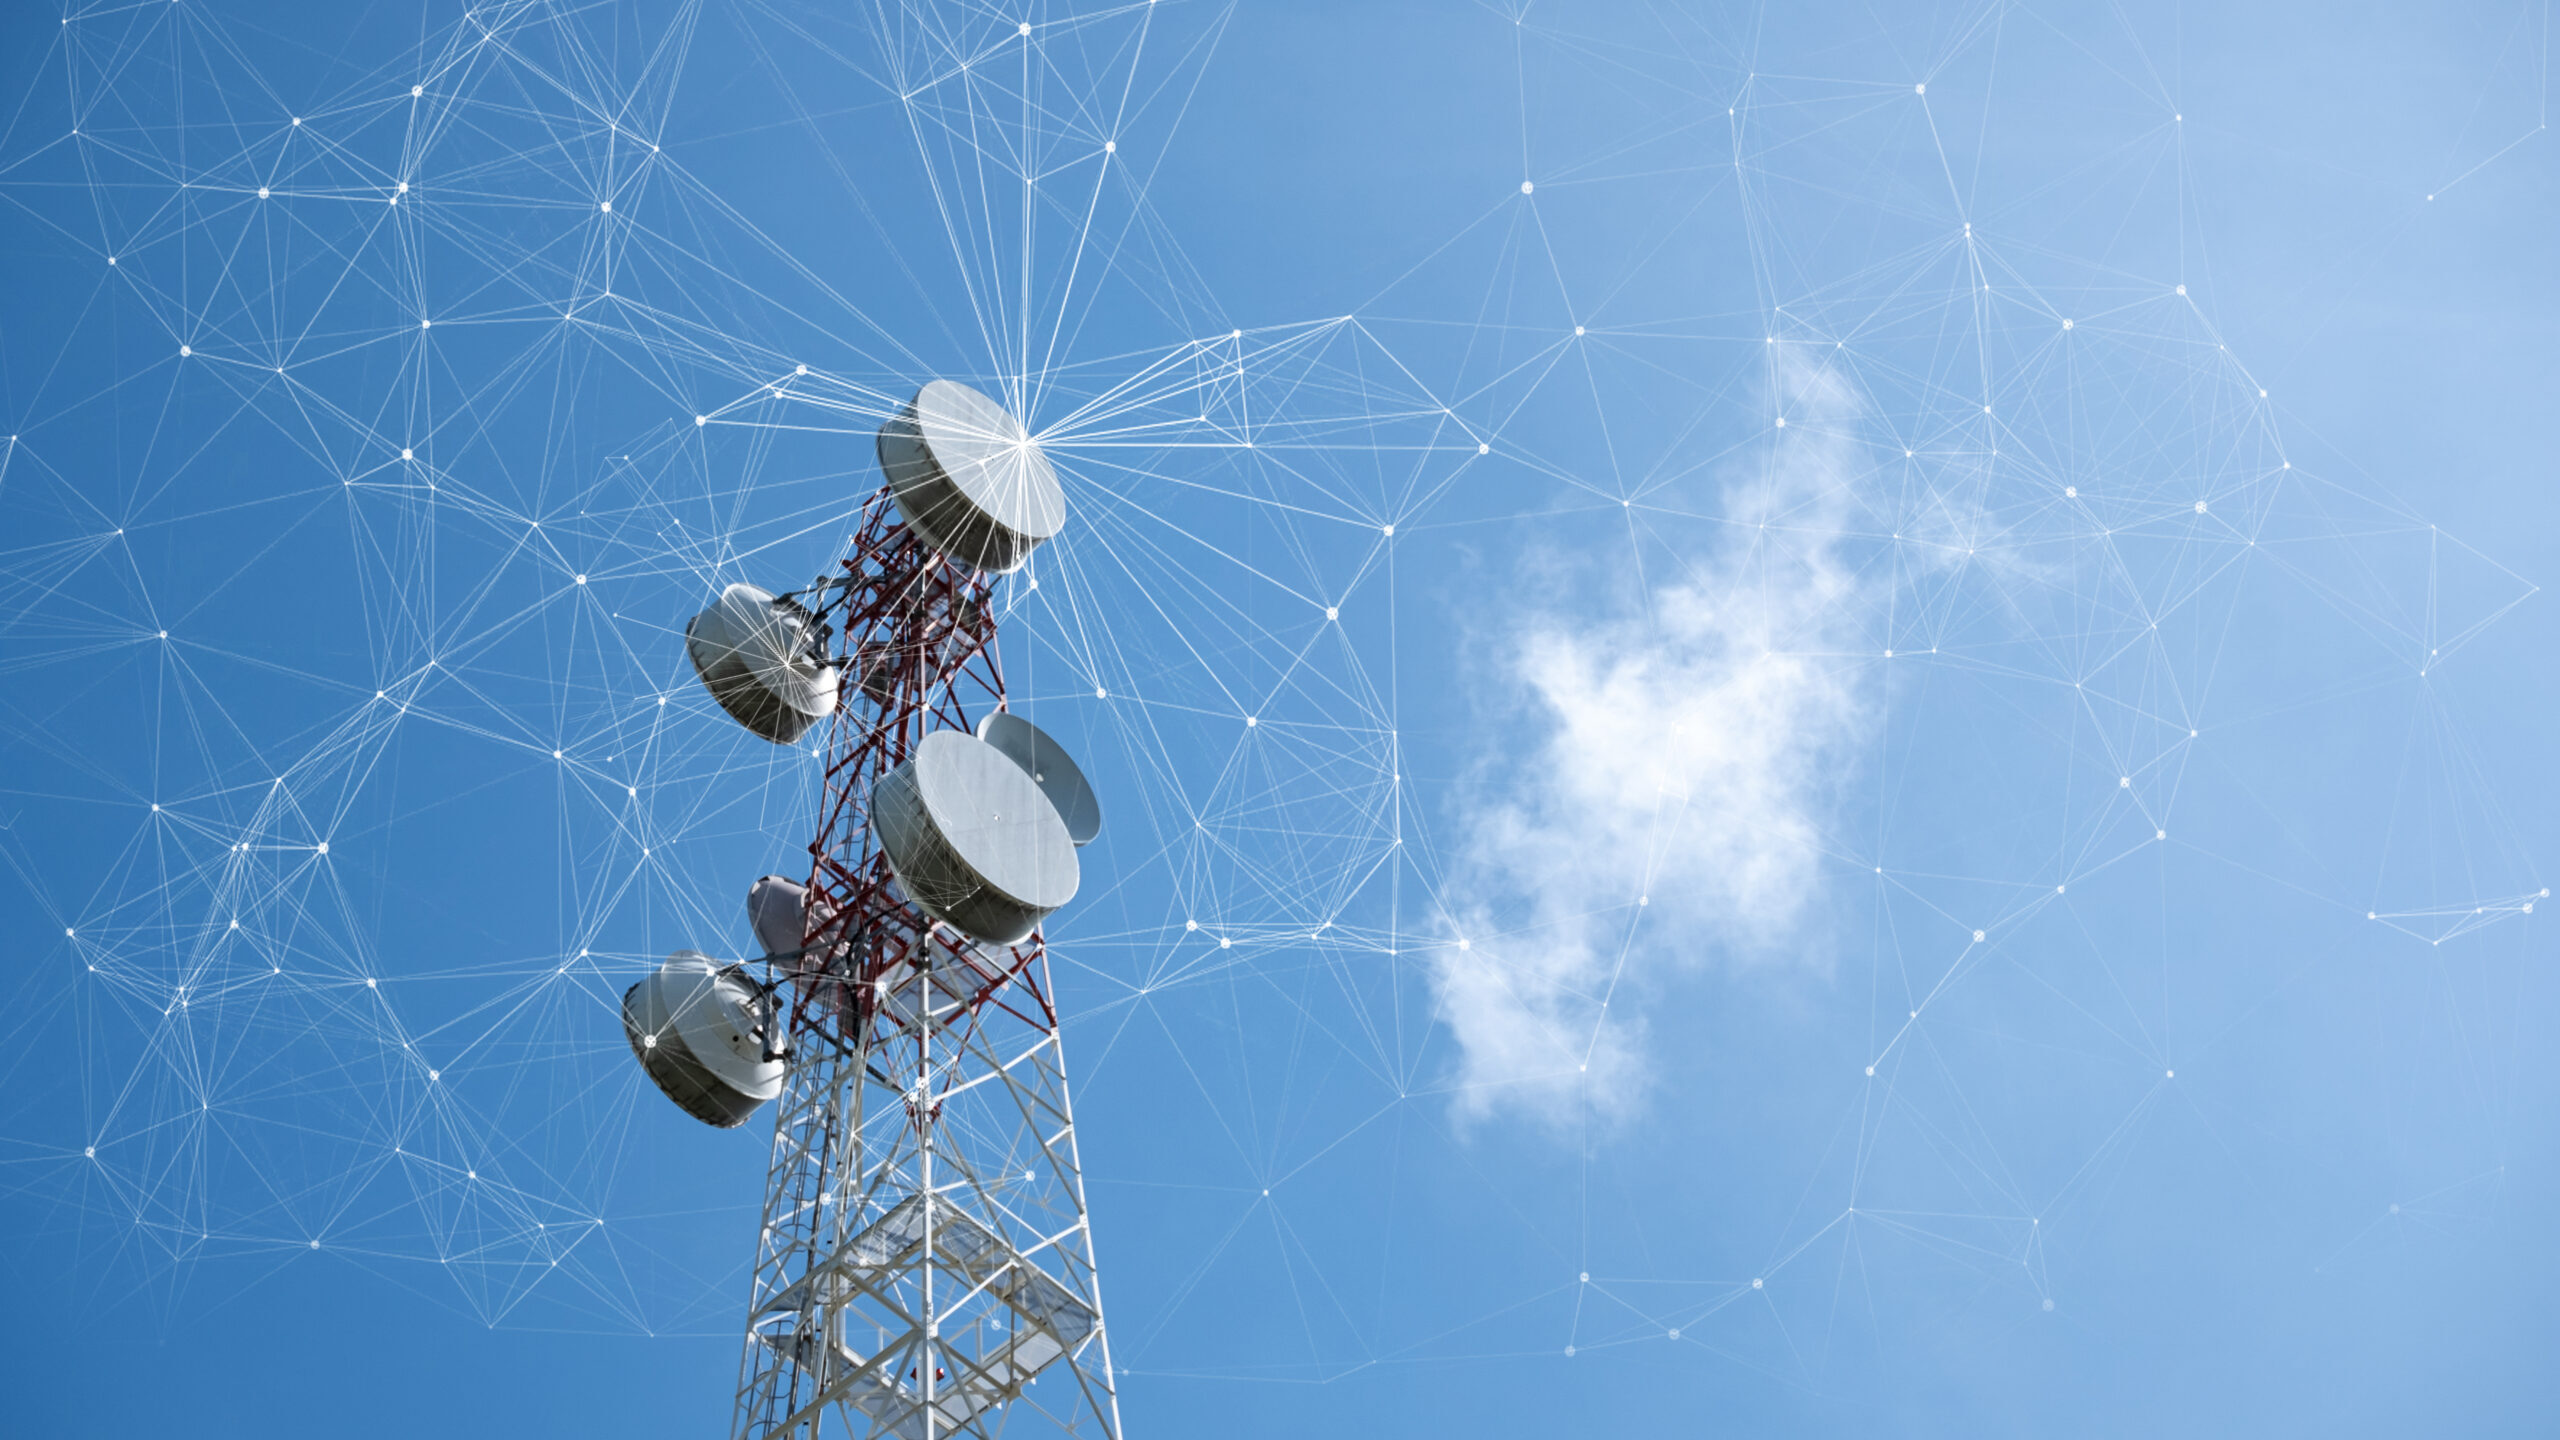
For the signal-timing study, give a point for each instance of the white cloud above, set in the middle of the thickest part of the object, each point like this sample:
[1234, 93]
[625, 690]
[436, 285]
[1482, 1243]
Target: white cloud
[1686, 759]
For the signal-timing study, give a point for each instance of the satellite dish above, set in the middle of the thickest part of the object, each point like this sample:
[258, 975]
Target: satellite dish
[972, 838]
[699, 1029]
[1046, 762]
[764, 660]
[969, 479]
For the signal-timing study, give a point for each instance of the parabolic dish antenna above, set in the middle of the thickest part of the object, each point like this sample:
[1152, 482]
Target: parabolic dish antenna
[969, 479]
[972, 838]
[761, 659]
[1046, 762]
[699, 1029]
[778, 911]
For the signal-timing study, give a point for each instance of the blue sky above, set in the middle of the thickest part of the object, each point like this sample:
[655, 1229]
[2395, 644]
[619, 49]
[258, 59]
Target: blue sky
[2004, 903]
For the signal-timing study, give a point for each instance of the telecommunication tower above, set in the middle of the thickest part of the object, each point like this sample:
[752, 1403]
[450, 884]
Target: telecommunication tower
[924, 1266]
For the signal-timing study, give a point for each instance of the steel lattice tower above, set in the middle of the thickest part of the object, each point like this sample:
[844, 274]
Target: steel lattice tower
[924, 1267]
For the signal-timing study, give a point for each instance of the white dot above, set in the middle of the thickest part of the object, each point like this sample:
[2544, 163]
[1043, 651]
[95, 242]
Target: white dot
[262, 192]
[417, 90]
[1099, 692]
[435, 1074]
[2066, 324]
[404, 187]
[2182, 289]
[2159, 834]
[1483, 449]
[1332, 612]
[1026, 28]
[1225, 943]
[426, 324]
[1190, 924]
[1391, 529]
[2172, 1074]
[1782, 422]
[1252, 720]
[2048, 1304]
[2071, 492]
[371, 984]
[1977, 936]
[1755, 1284]
[1871, 1069]
[1568, 1351]
[1577, 330]
[186, 350]
[1526, 187]
[111, 259]
[582, 579]
[2199, 507]
[605, 206]
[324, 847]
[2124, 782]
[1110, 147]
[1920, 89]
[164, 634]
[701, 420]
[408, 454]
[92, 1153]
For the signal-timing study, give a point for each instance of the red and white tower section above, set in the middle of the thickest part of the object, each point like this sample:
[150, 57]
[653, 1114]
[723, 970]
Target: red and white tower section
[924, 1266]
